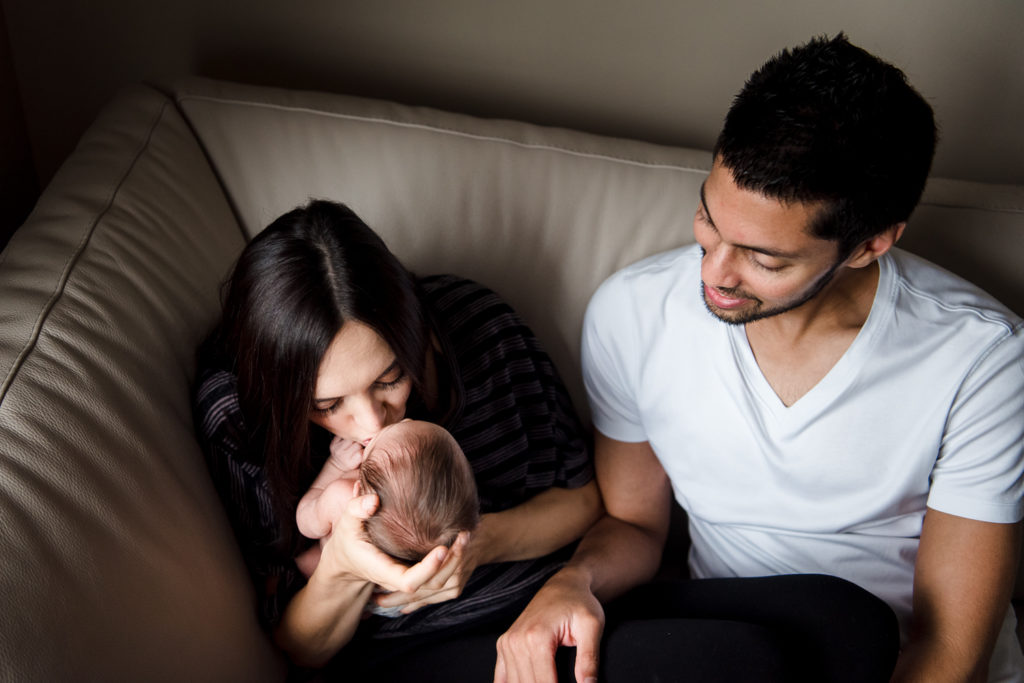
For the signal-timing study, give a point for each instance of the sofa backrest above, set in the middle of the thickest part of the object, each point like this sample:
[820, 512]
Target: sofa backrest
[116, 560]
[541, 215]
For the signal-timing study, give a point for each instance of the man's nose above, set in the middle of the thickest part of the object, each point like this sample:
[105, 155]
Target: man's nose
[718, 267]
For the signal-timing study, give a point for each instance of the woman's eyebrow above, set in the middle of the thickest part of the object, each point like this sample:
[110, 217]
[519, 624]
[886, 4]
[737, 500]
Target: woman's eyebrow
[388, 369]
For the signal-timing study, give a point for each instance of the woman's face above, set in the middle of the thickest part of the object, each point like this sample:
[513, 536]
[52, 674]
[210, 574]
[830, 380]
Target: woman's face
[359, 387]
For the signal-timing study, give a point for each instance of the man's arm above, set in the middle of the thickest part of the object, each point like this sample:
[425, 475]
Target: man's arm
[963, 581]
[622, 550]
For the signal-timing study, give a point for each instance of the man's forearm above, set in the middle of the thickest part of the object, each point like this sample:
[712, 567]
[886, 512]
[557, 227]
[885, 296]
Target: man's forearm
[615, 556]
[928, 660]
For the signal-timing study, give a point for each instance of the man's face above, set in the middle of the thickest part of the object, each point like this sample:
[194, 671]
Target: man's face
[760, 259]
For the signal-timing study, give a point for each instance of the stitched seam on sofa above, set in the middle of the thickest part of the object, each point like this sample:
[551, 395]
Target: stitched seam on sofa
[990, 207]
[213, 167]
[72, 261]
[450, 131]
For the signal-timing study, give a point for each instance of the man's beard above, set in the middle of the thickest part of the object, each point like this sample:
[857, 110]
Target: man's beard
[760, 314]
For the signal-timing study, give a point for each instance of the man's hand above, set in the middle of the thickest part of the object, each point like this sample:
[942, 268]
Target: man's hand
[564, 613]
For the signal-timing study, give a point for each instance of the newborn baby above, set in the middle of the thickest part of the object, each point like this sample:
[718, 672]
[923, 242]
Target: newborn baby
[423, 481]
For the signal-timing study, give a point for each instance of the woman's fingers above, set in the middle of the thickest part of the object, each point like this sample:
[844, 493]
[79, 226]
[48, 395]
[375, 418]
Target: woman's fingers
[452, 564]
[362, 506]
[412, 578]
[361, 558]
[447, 581]
[440, 596]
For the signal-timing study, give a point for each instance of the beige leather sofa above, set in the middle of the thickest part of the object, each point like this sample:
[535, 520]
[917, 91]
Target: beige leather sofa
[116, 561]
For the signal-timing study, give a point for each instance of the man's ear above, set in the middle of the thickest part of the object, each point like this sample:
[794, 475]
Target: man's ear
[874, 248]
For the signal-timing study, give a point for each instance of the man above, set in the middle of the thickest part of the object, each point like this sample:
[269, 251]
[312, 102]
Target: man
[818, 402]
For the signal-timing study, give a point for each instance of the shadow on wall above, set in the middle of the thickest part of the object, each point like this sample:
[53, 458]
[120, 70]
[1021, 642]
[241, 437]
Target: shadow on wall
[17, 176]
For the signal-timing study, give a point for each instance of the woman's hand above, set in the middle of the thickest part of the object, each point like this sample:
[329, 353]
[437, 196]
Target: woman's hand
[348, 555]
[324, 614]
[446, 584]
[532, 529]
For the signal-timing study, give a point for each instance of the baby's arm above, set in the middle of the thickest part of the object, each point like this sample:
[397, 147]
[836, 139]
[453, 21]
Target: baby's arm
[332, 488]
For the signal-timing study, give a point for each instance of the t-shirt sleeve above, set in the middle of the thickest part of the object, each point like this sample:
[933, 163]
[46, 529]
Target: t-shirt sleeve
[242, 488]
[979, 473]
[609, 355]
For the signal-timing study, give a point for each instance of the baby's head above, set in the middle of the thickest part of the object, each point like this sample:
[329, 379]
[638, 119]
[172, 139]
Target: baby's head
[426, 489]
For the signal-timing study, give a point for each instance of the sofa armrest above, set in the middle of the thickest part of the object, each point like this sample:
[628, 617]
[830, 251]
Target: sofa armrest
[116, 560]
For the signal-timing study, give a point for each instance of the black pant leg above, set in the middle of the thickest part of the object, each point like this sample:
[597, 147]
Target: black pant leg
[826, 629]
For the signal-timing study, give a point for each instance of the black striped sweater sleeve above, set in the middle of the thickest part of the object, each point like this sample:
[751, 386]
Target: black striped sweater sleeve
[242, 487]
[517, 424]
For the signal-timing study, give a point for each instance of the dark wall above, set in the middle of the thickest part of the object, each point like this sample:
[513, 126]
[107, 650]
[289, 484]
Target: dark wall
[18, 186]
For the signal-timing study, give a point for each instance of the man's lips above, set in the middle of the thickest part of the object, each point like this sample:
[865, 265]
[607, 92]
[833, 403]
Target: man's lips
[719, 300]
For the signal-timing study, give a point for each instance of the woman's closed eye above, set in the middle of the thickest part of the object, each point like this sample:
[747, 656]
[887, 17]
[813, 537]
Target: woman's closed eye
[394, 378]
[329, 409]
[389, 380]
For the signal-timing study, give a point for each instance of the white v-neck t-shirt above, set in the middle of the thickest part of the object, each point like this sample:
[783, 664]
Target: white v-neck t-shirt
[925, 408]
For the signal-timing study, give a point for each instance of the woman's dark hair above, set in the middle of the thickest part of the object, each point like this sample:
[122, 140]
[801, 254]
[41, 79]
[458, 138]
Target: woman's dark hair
[293, 287]
[828, 121]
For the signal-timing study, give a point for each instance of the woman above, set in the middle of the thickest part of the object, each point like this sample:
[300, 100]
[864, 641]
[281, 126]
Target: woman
[326, 334]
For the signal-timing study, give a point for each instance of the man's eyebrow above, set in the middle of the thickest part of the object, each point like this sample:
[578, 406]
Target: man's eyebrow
[704, 205]
[774, 253]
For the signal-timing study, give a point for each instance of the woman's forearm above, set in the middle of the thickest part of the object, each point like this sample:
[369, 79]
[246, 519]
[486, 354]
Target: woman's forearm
[321, 619]
[541, 525]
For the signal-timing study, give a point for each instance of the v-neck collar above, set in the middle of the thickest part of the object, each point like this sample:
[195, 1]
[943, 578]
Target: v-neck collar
[839, 376]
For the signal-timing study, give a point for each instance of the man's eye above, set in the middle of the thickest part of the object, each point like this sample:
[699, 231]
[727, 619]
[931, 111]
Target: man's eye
[765, 266]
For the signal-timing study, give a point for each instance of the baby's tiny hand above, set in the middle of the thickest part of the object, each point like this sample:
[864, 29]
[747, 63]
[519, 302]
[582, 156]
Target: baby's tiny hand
[347, 454]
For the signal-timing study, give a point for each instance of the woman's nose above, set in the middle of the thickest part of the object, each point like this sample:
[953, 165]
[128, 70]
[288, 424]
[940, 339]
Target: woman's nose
[370, 416]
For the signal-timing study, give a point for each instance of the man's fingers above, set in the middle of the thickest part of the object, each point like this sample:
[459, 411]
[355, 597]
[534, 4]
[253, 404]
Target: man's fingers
[526, 657]
[586, 662]
[499, 670]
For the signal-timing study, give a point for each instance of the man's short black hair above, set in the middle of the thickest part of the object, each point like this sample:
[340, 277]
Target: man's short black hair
[828, 121]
